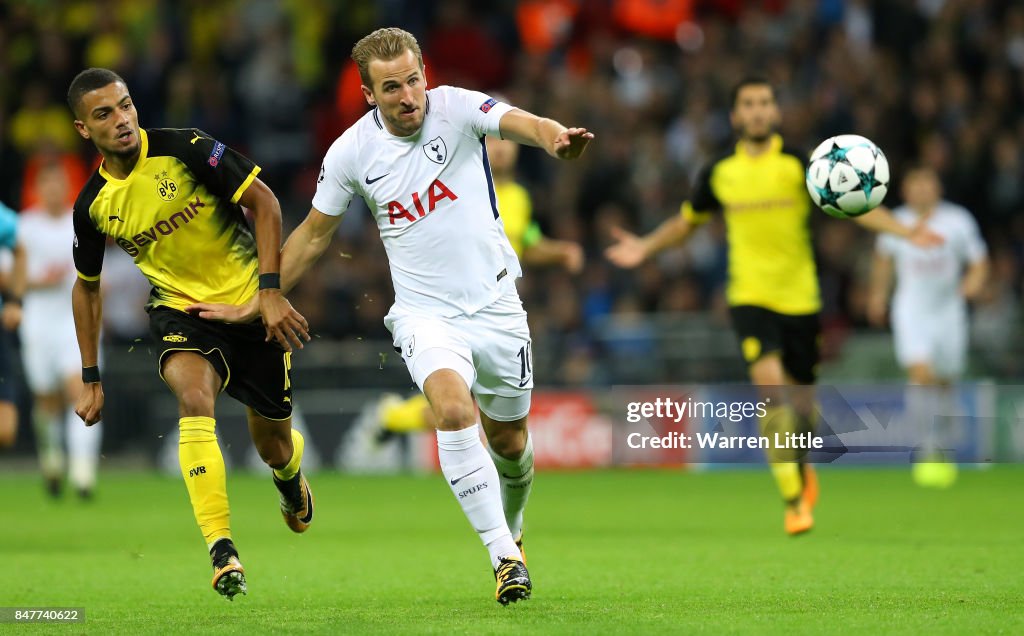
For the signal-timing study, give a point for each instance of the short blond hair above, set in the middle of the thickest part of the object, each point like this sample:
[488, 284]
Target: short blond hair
[383, 44]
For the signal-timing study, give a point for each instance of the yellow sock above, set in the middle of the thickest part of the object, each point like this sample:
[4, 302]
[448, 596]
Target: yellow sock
[806, 424]
[788, 479]
[292, 467]
[202, 466]
[782, 419]
[407, 416]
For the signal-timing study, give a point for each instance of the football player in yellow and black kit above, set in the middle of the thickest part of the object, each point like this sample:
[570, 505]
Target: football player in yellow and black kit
[171, 199]
[772, 291]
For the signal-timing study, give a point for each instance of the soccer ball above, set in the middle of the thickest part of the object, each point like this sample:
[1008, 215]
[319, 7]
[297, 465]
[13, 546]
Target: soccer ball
[848, 176]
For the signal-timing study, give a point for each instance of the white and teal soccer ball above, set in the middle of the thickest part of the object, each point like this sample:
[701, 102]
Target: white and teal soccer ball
[848, 176]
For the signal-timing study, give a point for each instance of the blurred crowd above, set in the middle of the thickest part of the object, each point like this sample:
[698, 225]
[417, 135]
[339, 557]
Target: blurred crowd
[933, 81]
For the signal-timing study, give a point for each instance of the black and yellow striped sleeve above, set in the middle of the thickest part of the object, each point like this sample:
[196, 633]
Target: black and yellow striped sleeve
[703, 202]
[89, 242]
[225, 172]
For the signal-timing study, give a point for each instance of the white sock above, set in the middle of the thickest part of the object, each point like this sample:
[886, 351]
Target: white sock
[923, 403]
[48, 444]
[516, 477]
[83, 450]
[474, 480]
[946, 422]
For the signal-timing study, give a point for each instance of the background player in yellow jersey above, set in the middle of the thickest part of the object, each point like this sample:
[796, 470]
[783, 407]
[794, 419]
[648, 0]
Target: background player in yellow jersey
[170, 199]
[773, 286]
[516, 210]
[533, 248]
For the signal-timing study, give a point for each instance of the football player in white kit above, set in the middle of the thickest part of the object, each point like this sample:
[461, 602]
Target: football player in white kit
[418, 160]
[929, 309]
[48, 342]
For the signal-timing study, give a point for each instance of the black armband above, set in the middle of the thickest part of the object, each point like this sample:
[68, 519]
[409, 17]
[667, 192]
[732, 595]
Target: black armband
[90, 375]
[270, 281]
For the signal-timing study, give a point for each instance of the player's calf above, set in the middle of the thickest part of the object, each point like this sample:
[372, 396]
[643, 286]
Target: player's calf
[296, 496]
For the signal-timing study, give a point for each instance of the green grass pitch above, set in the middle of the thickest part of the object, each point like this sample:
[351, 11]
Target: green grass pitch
[613, 552]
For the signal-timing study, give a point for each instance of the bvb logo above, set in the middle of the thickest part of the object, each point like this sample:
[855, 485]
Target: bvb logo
[167, 188]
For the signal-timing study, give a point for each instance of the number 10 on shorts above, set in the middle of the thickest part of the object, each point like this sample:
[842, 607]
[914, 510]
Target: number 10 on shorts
[525, 366]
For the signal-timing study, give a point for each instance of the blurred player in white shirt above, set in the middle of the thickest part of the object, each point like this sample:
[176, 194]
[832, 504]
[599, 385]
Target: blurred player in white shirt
[48, 342]
[418, 160]
[929, 308]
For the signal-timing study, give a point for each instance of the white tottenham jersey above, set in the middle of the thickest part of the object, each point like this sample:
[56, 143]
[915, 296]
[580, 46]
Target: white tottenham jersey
[47, 242]
[928, 280]
[433, 198]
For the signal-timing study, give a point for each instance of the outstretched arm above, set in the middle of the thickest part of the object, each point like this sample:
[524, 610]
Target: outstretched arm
[87, 307]
[974, 279]
[630, 250]
[305, 245]
[283, 323]
[547, 252]
[559, 142]
[881, 220]
[881, 287]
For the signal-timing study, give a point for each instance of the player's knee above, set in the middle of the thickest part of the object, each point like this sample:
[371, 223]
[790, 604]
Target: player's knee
[8, 424]
[8, 435]
[920, 374]
[767, 372]
[196, 401]
[455, 415]
[509, 443]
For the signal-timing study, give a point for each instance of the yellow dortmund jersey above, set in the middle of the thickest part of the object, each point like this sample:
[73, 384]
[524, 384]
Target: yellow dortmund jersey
[517, 215]
[177, 215]
[766, 208]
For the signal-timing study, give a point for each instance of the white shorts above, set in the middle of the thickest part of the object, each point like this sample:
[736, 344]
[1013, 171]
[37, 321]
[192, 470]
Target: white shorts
[491, 350]
[938, 340]
[50, 353]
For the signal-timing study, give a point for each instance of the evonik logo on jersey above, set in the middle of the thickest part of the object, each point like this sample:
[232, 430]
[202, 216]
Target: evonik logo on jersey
[163, 227]
[436, 192]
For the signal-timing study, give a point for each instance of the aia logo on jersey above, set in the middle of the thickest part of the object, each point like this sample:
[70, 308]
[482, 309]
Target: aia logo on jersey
[488, 105]
[436, 193]
[435, 150]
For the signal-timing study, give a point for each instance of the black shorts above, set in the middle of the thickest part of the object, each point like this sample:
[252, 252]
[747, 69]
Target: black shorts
[761, 331]
[254, 372]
